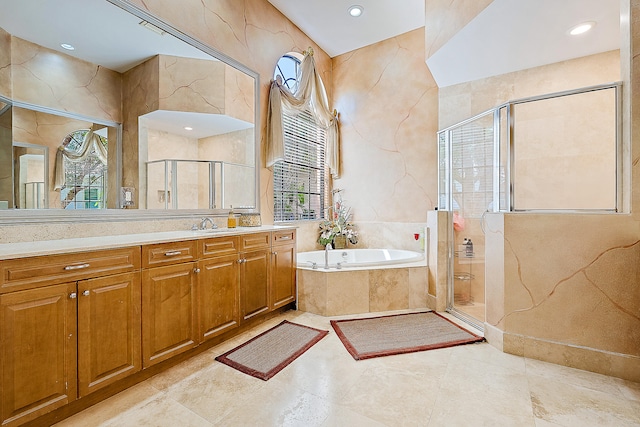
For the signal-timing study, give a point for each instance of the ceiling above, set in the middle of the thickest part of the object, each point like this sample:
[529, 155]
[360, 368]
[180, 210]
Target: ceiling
[509, 35]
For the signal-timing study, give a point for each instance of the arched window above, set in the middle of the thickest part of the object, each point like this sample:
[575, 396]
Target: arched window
[299, 181]
[85, 178]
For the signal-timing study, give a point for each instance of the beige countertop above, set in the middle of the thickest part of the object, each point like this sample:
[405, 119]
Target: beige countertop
[84, 244]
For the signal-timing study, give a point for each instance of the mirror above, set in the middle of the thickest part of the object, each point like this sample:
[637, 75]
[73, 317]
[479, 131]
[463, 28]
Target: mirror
[30, 176]
[173, 120]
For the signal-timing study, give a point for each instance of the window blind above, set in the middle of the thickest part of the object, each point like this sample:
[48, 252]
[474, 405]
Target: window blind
[299, 180]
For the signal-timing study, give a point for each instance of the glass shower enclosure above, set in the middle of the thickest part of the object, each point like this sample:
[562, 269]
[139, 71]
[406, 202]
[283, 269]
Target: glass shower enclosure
[553, 153]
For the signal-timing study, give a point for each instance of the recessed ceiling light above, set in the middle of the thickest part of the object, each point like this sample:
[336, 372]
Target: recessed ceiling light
[356, 10]
[582, 28]
[188, 128]
[67, 46]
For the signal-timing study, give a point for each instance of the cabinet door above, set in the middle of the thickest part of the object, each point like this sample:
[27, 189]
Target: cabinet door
[218, 295]
[254, 283]
[108, 330]
[168, 312]
[38, 336]
[283, 275]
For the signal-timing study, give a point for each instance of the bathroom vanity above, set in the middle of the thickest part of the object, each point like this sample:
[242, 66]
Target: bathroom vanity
[82, 319]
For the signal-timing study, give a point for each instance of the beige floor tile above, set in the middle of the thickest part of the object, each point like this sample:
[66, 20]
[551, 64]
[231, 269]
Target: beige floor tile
[113, 406]
[280, 404]
[569, 405]
[467, 386]
[214, 392]
[477, 393]
[573, 376]
[340, 417]
[393, 396]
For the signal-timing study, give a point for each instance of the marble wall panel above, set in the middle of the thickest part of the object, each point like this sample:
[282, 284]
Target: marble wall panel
[239, 95]
[5, 63]
[187, 84]
[570, 285]
[51, 79]
[388, 289]
[141, 84]
[459, 102]
[387, 101]
[349, 294]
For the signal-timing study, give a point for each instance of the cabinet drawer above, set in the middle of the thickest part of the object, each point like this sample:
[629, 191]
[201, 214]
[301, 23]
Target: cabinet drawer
[250, 242]
[168, 253]
[218, 246]
[283, 237]
[33, 272]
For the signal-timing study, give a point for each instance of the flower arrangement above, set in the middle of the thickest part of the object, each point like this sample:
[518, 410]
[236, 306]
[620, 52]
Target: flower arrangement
[338, 225]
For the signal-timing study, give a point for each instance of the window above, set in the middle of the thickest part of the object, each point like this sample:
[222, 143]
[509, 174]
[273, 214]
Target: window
[84, 179]
[299, 179]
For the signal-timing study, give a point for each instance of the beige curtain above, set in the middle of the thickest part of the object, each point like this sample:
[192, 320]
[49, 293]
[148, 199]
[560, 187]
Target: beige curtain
[310, 95]
[91, 142]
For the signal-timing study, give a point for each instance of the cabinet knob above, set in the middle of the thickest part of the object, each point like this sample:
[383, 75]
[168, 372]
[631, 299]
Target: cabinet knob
[86, 293]
[73, 295]
[275, 253]
[196, 270]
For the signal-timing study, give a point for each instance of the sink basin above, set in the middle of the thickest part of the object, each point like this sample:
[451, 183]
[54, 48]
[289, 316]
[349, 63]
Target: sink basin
[210, 230]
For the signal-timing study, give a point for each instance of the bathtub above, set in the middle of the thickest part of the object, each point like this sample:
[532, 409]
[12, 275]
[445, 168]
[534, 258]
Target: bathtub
[347, 259]
[362, 281]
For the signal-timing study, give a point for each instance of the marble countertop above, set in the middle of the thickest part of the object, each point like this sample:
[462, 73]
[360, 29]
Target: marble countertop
[84, 244]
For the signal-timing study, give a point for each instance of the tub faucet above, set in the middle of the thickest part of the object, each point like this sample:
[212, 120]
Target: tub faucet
[326, 256]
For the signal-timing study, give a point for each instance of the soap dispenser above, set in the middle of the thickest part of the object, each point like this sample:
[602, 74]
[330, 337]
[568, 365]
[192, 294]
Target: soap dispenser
[231, 221]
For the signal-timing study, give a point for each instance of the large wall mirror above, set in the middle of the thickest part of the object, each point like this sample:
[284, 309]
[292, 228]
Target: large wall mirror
[105, 107]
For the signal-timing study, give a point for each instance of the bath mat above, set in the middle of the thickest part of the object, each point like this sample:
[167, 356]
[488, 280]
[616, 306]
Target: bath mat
[267, 354]
[400, 333]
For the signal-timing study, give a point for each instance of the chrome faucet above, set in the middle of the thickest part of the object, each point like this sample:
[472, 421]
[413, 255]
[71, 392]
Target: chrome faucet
[326, 255]
[203, 223]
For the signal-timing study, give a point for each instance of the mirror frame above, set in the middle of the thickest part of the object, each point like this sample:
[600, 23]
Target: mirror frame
[49, 216]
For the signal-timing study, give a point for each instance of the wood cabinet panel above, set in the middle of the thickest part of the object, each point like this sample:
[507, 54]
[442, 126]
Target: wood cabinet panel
[38, 335]
[169, 253]
[254, 283]
[218, 246]
[32, 272]
[250, 242]
[218, 295]
[283, 237]
[109, 336]
[168, 312]
[283, 275]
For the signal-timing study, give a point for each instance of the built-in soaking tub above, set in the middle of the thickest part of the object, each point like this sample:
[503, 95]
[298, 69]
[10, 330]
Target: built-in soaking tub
[361, 281]
[346, 259]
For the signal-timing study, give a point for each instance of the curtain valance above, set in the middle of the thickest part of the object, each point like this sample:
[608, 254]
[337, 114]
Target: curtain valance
[90, 143]
[310, 95]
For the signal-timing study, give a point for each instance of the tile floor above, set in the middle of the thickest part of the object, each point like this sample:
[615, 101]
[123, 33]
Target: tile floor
[472, 385]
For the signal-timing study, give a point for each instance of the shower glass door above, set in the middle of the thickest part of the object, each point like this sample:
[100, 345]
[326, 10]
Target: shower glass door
[468, 189]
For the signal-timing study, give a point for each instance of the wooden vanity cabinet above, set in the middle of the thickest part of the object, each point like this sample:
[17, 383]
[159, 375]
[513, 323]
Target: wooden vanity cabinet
[38, 335]
[283, 268]
[255, 260]
[66, 333]
[109, 332]
[169, 304]
[218, 286]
